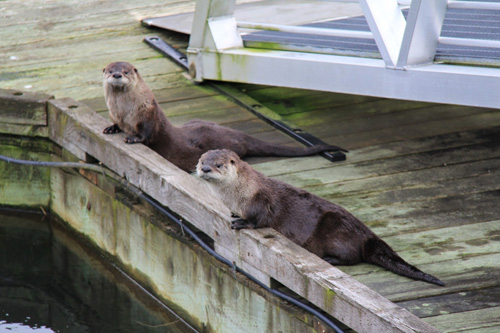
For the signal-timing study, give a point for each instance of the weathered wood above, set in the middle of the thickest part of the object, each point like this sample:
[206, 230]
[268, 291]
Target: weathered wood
[164, 95]
[184, 107]
[23, 113]
[444, 212]
[286, 101]
[487, 319]
[341, 191]
[23, 108]
[459, 275]
[74, 41]
[438, 158]
[219, 116]
[74, 125]
[391, 149]
[410, 131]
[455, 303]
[427, 247]
[422, 192]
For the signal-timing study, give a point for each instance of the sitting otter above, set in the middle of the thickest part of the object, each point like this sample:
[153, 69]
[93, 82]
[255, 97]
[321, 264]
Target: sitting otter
[322, 227]
[134, 109]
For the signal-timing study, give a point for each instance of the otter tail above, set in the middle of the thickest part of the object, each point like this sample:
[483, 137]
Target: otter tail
[261, 148]
[380, 253]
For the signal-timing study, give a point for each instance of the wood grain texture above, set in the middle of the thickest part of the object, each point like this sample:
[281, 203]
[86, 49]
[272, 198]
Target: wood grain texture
[73, 125]
[423, 176]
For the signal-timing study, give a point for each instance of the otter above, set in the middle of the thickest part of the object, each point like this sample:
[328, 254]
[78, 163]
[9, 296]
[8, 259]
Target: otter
[320, 226]
[134, 110]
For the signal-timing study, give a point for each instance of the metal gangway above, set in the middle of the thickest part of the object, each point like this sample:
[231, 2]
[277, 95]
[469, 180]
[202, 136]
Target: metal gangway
[406, 36]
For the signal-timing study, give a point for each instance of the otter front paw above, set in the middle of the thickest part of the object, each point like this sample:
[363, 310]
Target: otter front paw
[112, 129]
[241, 224]
[134, 139]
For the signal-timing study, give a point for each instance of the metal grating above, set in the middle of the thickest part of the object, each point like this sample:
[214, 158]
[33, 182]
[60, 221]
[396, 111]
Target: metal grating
[458, 23]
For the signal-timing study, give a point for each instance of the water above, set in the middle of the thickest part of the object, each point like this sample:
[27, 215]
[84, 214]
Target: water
[50, 282]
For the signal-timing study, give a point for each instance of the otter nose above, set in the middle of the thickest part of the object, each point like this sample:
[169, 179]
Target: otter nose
[206, 169]
[117, 76]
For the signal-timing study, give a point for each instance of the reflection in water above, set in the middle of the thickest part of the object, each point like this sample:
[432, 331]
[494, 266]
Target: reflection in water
[49, 282]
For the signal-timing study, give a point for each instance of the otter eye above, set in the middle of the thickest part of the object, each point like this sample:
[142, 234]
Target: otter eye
[126, 73]
[218, 166]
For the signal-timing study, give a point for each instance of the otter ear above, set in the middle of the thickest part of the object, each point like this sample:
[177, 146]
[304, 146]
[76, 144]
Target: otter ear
[232, 162]
[135, 70]
[104, 70]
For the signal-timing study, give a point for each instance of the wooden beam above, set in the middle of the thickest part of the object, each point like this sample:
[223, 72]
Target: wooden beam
[23, 113]
[77, 128]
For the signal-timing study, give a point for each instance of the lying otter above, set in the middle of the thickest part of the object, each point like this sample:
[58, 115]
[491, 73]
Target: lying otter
[134, 109]
[318, 225]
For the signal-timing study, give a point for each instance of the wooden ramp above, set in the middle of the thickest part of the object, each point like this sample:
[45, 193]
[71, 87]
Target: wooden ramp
[423, 176]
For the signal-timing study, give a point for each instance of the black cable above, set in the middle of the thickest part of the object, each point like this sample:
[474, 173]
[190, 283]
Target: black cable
[139, 193]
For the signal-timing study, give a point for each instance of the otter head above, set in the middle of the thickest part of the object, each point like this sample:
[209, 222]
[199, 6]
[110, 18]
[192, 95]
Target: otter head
[119, 74]
[218, 166]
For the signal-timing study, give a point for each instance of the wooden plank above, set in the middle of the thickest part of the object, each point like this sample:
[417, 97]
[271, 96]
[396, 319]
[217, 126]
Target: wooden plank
[382, 120]
[297, 103]
[23, 108]
[74, 126]
[411, 131]
[81, 24]
[184, 107]
[390, 149]
[57, 53]
[454, 303]
[33, 12]
[487, 319]
[468, 238]
[452, 243]
[487, 329]
[439, 158]
[219, 116]
[449, 211]
[164, 96]
[458, 275]
[63, 79]
[425, 191]
[413, 179]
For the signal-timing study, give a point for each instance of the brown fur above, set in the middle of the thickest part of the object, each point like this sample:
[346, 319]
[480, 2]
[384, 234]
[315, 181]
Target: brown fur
[134, 109]
[318, 225]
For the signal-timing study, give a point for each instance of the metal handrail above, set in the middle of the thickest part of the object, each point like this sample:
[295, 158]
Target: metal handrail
[463, 4]
[470, 42]
[369, 35]
[306, 30]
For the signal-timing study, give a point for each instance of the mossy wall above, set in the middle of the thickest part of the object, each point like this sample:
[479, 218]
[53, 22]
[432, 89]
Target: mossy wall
[149, 247]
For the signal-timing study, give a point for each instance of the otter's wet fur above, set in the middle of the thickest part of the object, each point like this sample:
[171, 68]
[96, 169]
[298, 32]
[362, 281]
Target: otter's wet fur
[320, 226]
[134, 109]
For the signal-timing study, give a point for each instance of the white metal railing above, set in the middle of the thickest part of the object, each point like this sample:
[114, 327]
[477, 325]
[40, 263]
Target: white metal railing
[407, 46]
[471, 42]
[464, 4]
[306, 30]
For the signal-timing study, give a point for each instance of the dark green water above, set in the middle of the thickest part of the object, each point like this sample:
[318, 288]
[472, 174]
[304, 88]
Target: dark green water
[50, 282]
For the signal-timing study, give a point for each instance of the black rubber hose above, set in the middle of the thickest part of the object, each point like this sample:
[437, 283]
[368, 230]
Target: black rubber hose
[139, 193]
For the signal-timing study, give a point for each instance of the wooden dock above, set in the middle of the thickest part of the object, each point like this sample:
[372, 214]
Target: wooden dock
[425, 177]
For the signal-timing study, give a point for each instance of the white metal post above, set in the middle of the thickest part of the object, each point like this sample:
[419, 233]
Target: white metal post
[214, 29]
[387, 24]
[421, 36]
